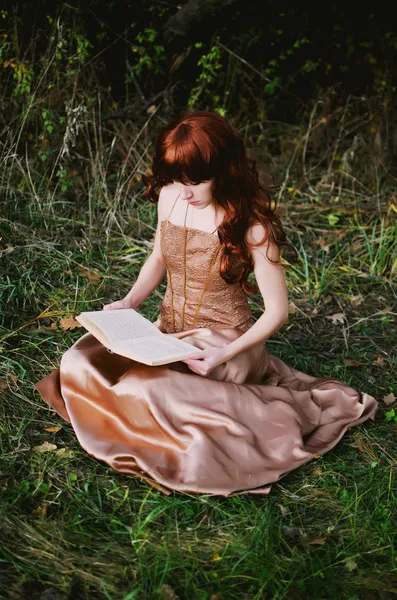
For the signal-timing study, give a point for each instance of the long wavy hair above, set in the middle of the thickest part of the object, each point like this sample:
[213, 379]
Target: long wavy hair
[198, 146]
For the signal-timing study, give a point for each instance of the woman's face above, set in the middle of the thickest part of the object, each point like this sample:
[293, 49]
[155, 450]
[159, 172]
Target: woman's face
[199, 196]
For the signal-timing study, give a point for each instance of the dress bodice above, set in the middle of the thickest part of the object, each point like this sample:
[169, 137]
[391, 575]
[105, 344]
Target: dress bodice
[223, 304]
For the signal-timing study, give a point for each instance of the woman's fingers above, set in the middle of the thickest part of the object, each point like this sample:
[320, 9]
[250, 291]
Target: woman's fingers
[114, 305]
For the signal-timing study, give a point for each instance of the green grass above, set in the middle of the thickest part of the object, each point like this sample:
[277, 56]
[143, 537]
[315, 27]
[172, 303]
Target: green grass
[70, 527]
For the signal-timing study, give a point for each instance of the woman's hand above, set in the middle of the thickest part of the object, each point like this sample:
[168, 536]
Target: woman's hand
[124, 303]
[203, 362]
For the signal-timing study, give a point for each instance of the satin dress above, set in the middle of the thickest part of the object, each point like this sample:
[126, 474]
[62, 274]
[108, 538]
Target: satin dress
[244, 426]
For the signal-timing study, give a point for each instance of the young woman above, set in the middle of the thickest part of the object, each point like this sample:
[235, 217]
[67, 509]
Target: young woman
[231, 418]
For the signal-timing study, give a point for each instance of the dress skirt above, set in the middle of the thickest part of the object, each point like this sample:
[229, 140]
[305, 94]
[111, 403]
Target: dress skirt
[248, 423]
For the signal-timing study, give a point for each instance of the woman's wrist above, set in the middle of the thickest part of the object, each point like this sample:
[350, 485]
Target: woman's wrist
[130, 301]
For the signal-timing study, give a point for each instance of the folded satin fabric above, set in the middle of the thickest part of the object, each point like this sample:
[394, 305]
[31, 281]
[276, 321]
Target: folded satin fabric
[242, 428]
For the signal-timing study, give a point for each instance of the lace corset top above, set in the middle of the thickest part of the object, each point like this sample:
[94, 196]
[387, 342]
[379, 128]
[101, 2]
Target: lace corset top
[223, 305]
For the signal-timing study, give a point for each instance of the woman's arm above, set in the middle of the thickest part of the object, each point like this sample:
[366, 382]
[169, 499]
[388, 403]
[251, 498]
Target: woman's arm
[150, 276]
[154, 270]
[271, 282]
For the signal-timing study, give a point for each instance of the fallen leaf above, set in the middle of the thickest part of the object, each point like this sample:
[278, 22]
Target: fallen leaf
[340, 233]
[360, 444]
[89, 274]
[319, 540]
[317, 471]
[52, 429]
[351, 564]
[45, 447]
[167, 593]
[291, 308]
[40, 511]
[284, 511]
[69, 323]
[352, 363]
[386, 310]
[323, 245]
[356, 300]
[336, 318]
[65, 452]
[4, 385]
[389, 399]
[379, 362]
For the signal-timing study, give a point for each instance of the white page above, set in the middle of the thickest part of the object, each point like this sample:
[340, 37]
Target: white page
[123, 324]
[158, 349]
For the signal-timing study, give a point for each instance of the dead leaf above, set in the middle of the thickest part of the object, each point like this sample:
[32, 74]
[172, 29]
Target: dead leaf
[167, 593]
[379, 362]
[69, 323]
[89, 274]
[327, 299]
[336, 318]
[389, 399]
[317, 471]
[360, 444]
[45, 447]
[319, 540]
[340, 233]
[52, 429]
[284, 511]
[10, 381]
[356, 300]
[65, 452]
[291, 308]
[352, 363]
[351, 564]
[151, 109]
[324, 246]
[40, 511]
[386, 310]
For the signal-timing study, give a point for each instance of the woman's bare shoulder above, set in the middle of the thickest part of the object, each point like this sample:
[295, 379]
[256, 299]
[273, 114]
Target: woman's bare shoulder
[255, 233]
[164, 200]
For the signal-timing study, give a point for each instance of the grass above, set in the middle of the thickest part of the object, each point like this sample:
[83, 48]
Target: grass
[70, 527]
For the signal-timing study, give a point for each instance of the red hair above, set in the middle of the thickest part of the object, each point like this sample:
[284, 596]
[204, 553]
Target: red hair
[198, 146]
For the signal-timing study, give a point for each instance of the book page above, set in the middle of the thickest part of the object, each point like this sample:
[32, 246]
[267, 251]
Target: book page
[120, 325]
[152, 350]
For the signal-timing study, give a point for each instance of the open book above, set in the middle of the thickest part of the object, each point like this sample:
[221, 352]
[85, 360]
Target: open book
[128, 333]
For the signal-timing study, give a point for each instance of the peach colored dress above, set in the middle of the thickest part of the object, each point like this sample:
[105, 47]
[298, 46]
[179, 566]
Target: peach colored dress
[248, 423]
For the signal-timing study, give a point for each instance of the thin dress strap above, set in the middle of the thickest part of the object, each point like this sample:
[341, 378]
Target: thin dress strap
[173, 207]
